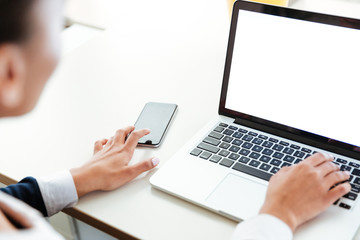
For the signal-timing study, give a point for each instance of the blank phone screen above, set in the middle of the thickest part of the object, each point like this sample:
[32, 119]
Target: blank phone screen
[155, 117]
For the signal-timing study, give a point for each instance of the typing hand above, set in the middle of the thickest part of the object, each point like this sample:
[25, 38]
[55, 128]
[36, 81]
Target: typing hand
[108, 169]
[300, 192]
[26, 218]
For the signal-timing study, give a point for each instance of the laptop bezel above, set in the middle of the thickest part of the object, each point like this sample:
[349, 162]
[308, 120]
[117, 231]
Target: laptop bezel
[273, 127]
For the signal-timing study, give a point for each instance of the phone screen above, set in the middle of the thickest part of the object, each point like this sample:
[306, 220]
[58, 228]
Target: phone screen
[156, 117]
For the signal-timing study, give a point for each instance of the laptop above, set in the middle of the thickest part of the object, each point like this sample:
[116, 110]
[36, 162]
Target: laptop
[290, 89]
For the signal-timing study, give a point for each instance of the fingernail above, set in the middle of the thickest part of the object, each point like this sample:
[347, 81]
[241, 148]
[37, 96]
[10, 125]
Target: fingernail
[347, 172]
[155, 161]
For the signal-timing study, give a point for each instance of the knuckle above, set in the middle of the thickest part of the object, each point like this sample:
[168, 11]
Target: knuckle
[120, 131]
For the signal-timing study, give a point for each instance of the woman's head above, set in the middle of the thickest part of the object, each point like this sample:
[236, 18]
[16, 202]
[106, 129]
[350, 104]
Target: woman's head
[29, 51]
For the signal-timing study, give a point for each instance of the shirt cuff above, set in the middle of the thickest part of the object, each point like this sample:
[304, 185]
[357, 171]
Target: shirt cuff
[263, 226]
[58, 191]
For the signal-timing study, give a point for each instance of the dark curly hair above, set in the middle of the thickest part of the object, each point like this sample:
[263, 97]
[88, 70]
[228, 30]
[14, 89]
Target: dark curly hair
[14, 20]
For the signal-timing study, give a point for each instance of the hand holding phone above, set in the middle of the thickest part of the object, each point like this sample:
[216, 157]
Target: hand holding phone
[156, 117]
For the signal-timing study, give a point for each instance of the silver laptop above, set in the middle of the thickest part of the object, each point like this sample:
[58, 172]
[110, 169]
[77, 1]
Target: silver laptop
[290, 89]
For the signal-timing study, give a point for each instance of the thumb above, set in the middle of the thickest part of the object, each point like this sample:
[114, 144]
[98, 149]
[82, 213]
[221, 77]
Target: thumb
[144, 166]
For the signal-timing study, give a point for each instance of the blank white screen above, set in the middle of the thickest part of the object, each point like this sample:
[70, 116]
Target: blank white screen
[297, 73]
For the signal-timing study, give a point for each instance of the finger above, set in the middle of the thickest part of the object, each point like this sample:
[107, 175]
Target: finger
[328, 167]
[134, 137]
[99, 144]
[337, 192]
[143, 166]
[110, 141]
[121, 134]
[336, 177]
[318, 158]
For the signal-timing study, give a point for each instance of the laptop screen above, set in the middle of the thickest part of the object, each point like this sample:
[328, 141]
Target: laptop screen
[297, 73]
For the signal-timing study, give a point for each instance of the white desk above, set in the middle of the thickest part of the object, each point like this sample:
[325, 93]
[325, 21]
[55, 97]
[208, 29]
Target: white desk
[160, 50]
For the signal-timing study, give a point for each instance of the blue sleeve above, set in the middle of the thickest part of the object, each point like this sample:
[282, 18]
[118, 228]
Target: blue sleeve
[28, 191]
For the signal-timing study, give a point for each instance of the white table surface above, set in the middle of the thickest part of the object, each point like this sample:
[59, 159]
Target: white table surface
[160, 50]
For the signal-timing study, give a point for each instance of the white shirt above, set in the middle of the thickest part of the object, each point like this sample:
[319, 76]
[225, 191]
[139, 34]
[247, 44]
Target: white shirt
[58, 191]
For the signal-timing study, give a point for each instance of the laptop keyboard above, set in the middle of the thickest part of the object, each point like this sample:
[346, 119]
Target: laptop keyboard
[262, 155]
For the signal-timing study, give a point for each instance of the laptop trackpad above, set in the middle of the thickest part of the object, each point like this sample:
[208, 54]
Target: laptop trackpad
[238, 196]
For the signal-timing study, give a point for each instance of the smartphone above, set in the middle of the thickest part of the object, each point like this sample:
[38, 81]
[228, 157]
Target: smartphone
[156, 117]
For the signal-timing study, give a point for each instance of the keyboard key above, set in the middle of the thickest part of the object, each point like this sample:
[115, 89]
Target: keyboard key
[195, 152]
[299, 154]
[257, 141]
[278, 155]
[284, 143]
[211, 141]
[357, 180]
[247, 138]
[339, 160]
[265, 167]
[247, 145]
[355, 188]
[228, 132]
[267, 152]
[297, 161]
[224, 145]
[223, 124]
[351, 196]
[307, 155]
[234, 156]
[242, 130]
[336, 202]
[356, 172]
[226, 162]
[208, 147]
[267, 144]
[277, 147]
[219, 129]
[295, 146]
[252, 171]
[263, 137]
[289, 159]
[355, 165]
[233, 127]
[215, 158]
[216, 135]
[345, 168]
[252, 134]
[306, 150]
[285, 164]
[257, 149]
[224, 153]
[273, 140]
[274, 170]
[288, 150]
[237, 142]
[254, 155]
[237, 135]
[234, 149]
[205, 155]
[344, 205]
[254, 163]
[244, 160]
[265, 159]
[227, 139]
[244, 152]
[275, 162]
[350, 178]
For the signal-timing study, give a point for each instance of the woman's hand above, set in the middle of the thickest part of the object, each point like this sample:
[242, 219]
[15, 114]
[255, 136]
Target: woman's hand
[300, 192]
[108, 169]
